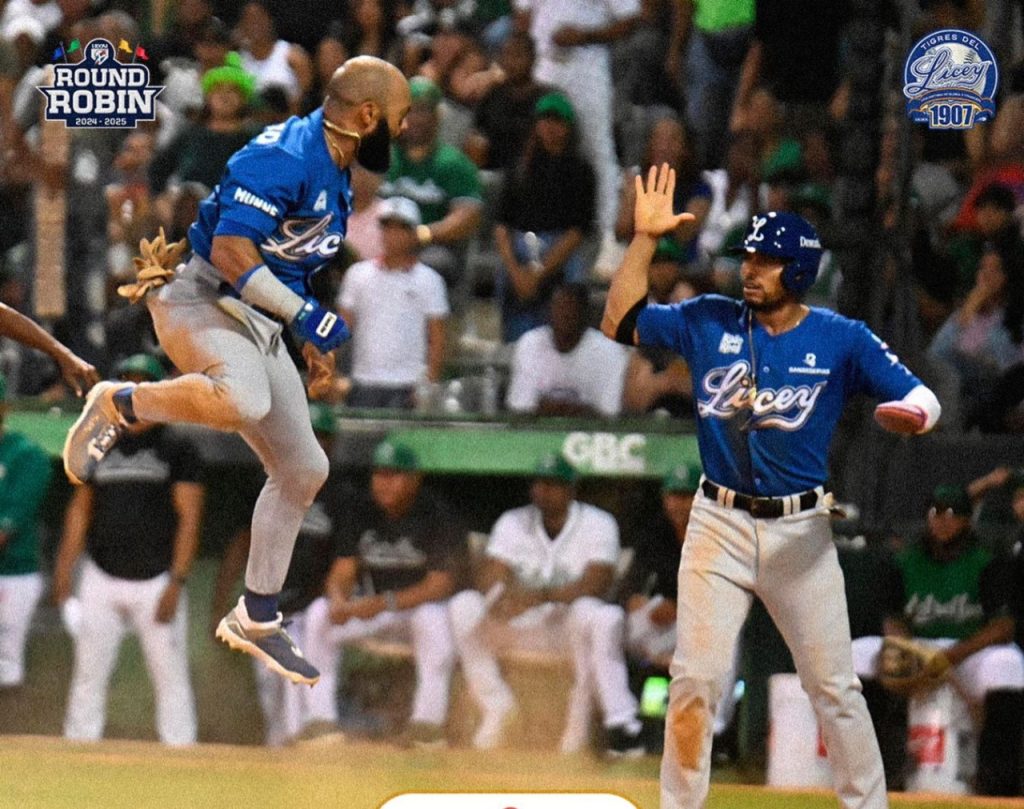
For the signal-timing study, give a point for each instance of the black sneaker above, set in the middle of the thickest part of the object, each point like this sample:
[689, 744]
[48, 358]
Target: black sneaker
[268, 643]
[621, 742]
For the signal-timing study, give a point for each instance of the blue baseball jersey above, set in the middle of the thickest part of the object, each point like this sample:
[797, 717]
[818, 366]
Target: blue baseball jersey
[283, 191]
[774, 442]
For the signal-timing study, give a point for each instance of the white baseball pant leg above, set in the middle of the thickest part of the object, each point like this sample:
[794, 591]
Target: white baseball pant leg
[989, 669]
[231, 382]
[603, 626]
[801, 585]
[19, 596]
[285, 707]
[647, 641]
[109, 606]
[425, 626]
[589, 89]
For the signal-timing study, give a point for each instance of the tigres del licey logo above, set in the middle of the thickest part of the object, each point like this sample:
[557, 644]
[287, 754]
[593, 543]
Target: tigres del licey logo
[728, 389]
[950, 80]
[100, 92]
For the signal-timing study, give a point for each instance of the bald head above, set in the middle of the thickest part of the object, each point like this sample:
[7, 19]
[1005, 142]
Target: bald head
[366, 78]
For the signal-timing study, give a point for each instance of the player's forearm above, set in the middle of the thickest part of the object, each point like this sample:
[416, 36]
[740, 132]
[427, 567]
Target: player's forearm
[560, 250]
[435, 586]
[233, 256]
[595, 582]
[629, 284]
[460, 223]
[437, 329]
[24, 330]
[188, 503]
[995, 632]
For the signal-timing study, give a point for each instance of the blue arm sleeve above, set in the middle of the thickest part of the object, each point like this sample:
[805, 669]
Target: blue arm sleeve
[879, 371]
[261, 185]
[664, 326]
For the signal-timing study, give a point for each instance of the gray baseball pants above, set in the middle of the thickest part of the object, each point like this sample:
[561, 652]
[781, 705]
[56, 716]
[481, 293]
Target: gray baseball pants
[790, 563]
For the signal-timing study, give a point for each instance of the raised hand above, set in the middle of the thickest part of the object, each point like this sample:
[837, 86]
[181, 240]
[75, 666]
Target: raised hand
[652, 212]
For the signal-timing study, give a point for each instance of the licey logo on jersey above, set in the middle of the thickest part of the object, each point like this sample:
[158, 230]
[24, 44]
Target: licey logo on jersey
[786, 408]
[100, 92]
[950, 80]
[301, 238]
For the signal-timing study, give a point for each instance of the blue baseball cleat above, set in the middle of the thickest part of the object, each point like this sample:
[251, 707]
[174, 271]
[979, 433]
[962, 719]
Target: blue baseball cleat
[95, 432]
[268, 643]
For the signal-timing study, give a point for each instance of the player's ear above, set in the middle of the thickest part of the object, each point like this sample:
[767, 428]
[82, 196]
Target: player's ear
[370, 113]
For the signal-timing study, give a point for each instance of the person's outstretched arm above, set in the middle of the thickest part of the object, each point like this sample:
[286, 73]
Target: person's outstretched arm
[77, 373]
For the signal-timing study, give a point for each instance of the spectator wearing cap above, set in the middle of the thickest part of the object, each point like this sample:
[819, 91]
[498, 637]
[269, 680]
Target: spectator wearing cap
[285, 708]
[397, 309]
[440, 179]
[949, 592]
[23, 486]
[573, 55]
[200, 152]
[398, 557]
[548, 566]
[546, 208]
[504, 118]
[650, 588]
[273, 61]
[552, 371]
[137, 522]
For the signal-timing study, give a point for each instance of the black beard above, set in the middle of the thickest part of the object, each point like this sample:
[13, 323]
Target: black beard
[374, 153]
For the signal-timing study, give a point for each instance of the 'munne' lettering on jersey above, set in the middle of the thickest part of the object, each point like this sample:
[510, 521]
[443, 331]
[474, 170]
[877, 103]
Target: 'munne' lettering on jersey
[728, 389]
[250, 199]
[301, 238]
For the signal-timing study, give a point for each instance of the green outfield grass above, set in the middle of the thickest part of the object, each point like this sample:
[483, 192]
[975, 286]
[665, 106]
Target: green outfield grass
[48, 773]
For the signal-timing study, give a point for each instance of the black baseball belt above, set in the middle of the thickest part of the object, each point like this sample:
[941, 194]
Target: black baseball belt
[763, 508]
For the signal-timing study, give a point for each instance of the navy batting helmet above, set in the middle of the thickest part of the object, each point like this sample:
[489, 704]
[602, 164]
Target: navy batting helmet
[786, 235]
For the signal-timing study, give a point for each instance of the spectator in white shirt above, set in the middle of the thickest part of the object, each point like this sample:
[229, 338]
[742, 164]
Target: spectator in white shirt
[397, 308]
[567, 368]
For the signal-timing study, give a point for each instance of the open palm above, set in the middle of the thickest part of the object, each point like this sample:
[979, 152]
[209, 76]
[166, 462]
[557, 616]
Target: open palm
[652, 212]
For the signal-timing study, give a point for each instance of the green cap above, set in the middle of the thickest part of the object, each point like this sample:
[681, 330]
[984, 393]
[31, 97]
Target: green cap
[231, 72]
[142, 364]
[391, 455]
[683, 479]
[322, 418]
[554, 466]
[557, 105]
[669, 249]
[953, 497]
[423, 91]
[785, 164]
[813, 195]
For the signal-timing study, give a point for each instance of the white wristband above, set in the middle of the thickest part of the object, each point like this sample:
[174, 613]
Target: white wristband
[925, 399]
[263, 289]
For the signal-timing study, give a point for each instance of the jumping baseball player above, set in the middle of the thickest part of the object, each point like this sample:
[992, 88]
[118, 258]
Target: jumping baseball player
[771, 376]
[277, 216]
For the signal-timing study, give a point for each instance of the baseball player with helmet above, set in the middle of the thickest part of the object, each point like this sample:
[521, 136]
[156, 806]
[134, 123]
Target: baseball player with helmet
[278, 215]
[771, 376]
[949, 603]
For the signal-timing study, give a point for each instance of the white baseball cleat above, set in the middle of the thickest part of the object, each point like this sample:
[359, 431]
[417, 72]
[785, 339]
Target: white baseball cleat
[94, 433]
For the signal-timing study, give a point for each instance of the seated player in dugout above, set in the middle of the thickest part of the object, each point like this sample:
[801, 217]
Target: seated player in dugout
[771, 377]
[953, 597]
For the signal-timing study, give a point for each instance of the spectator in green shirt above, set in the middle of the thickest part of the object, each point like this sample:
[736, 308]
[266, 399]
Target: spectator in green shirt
[24, 477]
[440, 179]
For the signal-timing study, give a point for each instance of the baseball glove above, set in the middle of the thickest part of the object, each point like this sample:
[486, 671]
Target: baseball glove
[154, 268]
[320, 381]
[907, 667]
[900, 417]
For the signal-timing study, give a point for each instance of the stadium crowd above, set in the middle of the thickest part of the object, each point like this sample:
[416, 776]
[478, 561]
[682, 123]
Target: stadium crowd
[486, 245]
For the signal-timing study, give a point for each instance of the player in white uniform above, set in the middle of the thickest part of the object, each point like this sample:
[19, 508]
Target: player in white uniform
[548, 566]
[771, 377]
[138, 521]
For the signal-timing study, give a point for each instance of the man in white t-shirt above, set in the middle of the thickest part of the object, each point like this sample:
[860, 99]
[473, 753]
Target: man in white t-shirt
[547, 567]
[397, 309]
[553, 367]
